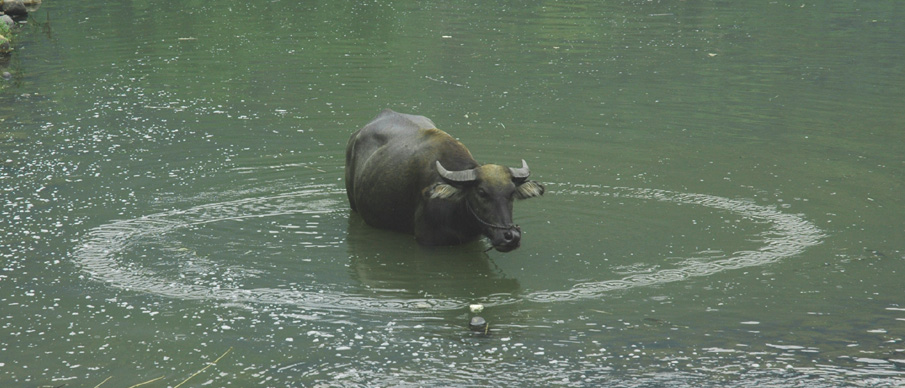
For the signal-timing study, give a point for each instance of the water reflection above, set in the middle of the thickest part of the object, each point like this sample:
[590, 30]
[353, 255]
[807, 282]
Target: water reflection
[389, 262]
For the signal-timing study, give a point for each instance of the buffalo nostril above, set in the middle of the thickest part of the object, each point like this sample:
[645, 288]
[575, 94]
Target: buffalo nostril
[508, 235]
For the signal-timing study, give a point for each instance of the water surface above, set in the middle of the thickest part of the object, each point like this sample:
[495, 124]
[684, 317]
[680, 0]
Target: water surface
[723, 201]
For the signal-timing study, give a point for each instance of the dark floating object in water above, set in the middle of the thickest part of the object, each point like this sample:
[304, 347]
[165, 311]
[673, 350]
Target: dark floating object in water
[478, 324]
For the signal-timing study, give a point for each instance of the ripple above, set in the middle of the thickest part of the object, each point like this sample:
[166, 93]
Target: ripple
[100, 256]
[789, 235]
[102, 252]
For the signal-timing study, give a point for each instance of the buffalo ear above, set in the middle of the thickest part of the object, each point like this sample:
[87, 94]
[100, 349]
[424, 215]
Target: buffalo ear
[443, 191]
[529, 189]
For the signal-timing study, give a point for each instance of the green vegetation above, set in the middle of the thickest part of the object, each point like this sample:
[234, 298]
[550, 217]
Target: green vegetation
[6, 38]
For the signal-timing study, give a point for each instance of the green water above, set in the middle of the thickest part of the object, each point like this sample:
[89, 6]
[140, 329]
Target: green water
[724, 195]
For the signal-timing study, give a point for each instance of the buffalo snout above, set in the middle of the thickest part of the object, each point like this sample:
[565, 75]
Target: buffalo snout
[505, 240]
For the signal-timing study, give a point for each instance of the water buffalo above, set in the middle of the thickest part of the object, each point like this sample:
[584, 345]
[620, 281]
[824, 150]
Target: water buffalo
[404, 174]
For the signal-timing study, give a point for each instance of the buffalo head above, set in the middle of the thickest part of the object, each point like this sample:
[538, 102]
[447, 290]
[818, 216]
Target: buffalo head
[487, 193]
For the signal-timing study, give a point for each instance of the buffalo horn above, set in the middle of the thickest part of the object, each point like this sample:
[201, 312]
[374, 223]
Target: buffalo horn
[456, 176]
[520, 173]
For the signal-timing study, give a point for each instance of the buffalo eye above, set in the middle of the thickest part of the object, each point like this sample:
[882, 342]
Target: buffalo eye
[482, 193]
